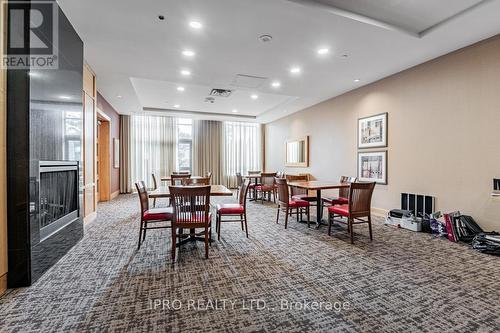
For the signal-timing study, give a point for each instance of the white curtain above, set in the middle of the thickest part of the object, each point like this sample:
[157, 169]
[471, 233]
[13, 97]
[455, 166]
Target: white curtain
[207, 149]
[153, 147]
[242, 150]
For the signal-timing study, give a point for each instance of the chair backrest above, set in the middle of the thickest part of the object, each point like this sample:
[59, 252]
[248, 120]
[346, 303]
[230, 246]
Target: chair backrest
[254, 172]
[196, 181]
[344, 192]
[267, 178]
[178, 179]
[191, 204]
[243, 191]
[283, 194]
[208, 174]
[180, 172]
[155, 183]
[143, 196]
[300, 178]
[360, 198]
[239, 179]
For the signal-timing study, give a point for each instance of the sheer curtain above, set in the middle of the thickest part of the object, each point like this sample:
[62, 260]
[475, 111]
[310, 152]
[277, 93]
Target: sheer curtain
[242, 150]
[207, 149]
[125, 176]
[153, 147]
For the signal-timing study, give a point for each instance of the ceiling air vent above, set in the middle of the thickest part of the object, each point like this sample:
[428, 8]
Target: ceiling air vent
[210, 100]
[220, 92]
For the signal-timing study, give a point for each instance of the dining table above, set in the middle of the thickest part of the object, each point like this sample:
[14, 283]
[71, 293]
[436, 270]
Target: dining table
[318, 186]
[215, 191]
[168, 178]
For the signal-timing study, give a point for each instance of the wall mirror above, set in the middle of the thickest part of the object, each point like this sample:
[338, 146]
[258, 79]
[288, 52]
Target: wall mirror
[297, 152]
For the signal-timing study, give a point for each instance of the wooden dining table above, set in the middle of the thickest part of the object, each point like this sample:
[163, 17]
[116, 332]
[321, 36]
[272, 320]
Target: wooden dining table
[168, 178]
[318, 186]
[215, 191]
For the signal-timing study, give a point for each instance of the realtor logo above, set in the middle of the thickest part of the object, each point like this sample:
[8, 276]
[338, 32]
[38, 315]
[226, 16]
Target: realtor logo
[32, 38]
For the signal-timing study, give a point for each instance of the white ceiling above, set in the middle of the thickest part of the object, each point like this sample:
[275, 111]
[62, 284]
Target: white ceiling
[139, 57]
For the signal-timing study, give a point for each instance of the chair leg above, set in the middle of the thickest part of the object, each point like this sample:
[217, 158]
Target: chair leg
[206, 242]
[220, 225]
[274, 196]
[370, 227]
[140, 237]
[246, 225]
[242, 226]
[217, 223]
[351, 231]
[144, 232]
[278, 214]
[329, 224]
[154, 202]
[308, 210]
[286, 217]
[174, 241]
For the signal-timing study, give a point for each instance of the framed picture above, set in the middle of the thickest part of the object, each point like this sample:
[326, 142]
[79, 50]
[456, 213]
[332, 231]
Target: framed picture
[372, 167]
[372, 131]
[116, 153]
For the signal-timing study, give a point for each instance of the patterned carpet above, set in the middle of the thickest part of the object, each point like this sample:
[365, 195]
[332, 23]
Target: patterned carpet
[402, 282]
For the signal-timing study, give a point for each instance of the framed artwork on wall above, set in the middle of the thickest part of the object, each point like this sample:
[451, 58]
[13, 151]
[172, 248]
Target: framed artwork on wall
[372, 167]
[372, 131]
[116, 153]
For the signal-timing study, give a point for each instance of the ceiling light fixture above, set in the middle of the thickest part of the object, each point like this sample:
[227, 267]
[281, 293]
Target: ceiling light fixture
[265, 38]
[188, 53]
[195, 25]
[119, 96]
[180, 88]
[357, 80]
[276, 84]
[235, 111]
[323, 51]
[254, 96]
[177, 106]
[64, 97]
[295, 70]
[185, 72]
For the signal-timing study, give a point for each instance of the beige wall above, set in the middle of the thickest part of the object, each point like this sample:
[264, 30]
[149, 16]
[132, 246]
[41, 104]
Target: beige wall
[3, 166]
[444, 132]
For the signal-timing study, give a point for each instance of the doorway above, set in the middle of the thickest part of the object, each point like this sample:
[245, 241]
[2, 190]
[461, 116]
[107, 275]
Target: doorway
[103, 157]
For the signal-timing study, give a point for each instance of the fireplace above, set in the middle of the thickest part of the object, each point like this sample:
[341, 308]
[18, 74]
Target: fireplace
[58, 196]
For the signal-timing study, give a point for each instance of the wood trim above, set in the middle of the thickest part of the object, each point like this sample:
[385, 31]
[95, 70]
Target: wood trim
[90, 218]
[114, 195]
[89, 141]
[3, 284]
[104, 165]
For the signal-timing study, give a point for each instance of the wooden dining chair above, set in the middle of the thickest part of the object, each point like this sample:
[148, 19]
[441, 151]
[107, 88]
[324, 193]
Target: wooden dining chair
[196, 181]
[239, 181]
[267, 186]
[289, 205]
[155, 186]
[151, 216]
[209, 176]
[357, 211]
[298, 193]
[235, 212]
[254, 184]
[178, 179]
[343, 197]
[191, 211]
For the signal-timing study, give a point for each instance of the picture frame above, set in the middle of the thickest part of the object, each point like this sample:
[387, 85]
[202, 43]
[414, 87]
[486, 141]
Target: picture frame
[116, 153]
[372, 167]
[297, 152]
[373, 131]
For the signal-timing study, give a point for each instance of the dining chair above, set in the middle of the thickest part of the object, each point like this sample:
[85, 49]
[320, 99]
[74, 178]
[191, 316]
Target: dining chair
[208, 175]
[357, 211]
[267, 186]
[343, 197]
[178, 179]
[289, 205]
[298, 193]
[235, 212]
[239, 181]
[195, 181]
[181, 172]
[254, 184]
[150, 215]
[191, 211]
[155, 186]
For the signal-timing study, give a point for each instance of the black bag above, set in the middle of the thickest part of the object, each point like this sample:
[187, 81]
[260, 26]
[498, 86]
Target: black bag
[488, 242]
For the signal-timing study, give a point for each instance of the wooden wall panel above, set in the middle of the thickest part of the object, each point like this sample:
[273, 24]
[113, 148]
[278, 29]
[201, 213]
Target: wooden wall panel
[89, 143]
[3, 162]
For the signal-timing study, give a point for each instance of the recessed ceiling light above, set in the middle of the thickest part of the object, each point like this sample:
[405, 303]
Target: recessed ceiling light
[188, 53]
[195, 25]
[185, 72]
[180, 88]
[235, 111]
[323, 51]
[119, 96]
[345, 56]
[254, 96]
[64, 97]
[357, 80]
[177, 106]
[295, 70]
[265, 38]
[276, 84]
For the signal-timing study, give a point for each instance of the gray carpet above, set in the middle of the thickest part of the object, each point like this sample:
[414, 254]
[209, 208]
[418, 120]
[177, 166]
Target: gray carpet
[402, 282]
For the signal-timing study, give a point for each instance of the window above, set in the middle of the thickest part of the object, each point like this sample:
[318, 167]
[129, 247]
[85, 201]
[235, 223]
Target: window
[184, 144]
[72, 135]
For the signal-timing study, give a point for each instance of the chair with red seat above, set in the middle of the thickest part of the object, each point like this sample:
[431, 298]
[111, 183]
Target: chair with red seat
[253, 185]
[234, 210]
[358, 207]
[343, 198]
[191, 211]
[289, 205]
[150, 215]
[300, 193]
[267, 186]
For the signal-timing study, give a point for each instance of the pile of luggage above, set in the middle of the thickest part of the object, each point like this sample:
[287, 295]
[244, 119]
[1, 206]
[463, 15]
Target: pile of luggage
[487, 243]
